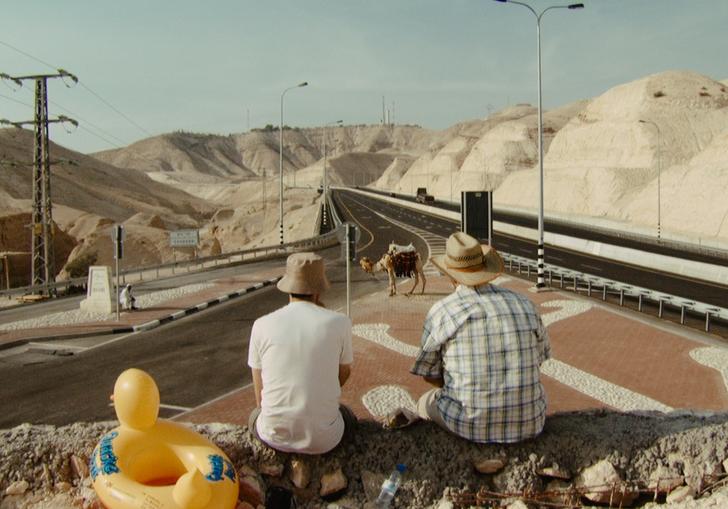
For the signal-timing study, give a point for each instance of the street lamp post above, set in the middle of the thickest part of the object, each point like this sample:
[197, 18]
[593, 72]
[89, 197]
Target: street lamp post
[540, 284]
[280, 156]
[659, 170]
[335, 122]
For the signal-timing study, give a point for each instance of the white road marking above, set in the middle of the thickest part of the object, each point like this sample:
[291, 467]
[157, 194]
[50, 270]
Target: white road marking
[713, 357]
[611, 394]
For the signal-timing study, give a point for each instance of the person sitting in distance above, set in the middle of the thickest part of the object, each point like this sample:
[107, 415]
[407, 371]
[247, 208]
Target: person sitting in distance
[300, 356]
[127, 299]
[482, 347]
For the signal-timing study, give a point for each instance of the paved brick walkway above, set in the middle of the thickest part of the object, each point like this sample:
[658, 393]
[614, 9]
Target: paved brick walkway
[603, 357]
[619, 350]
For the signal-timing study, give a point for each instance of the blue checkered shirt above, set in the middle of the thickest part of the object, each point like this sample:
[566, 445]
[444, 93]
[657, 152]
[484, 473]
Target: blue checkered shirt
[487, 343]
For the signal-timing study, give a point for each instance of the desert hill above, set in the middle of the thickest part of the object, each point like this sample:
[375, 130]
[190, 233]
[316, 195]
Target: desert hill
[88, 197]
[197, 162]
[601, 164]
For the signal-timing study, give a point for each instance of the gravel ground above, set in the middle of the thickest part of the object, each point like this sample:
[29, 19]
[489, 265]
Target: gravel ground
[81, 316]
[440, 465]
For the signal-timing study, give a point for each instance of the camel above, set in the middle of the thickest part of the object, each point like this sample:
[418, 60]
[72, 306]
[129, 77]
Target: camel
[403, 261]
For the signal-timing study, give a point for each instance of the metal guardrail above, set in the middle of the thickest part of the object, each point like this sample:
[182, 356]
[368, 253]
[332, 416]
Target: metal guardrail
[152, 272]
[572, 279]
[588, 283]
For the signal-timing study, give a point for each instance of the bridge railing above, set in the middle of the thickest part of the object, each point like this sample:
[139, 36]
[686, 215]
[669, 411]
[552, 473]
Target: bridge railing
[159, 271]
[581, 282]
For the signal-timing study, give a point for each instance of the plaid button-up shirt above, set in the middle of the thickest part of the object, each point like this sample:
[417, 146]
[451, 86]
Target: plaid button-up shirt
[487, 343]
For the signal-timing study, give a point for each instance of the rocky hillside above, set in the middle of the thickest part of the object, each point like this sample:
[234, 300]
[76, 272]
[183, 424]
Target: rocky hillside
[601, 164]
[88, 197]
[187, 160]
[600, 160]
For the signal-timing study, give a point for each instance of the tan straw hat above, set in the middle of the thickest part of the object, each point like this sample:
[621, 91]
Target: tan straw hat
[468, 262]
[305, 275]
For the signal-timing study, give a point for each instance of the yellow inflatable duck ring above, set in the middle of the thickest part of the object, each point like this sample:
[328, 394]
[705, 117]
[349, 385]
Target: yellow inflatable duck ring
[147, 463]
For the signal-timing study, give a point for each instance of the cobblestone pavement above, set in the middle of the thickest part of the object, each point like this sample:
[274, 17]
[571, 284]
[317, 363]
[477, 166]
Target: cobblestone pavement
[602, 356]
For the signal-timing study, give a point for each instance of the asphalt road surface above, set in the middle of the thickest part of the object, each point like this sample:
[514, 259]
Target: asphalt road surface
[202, 357]
[193, 360]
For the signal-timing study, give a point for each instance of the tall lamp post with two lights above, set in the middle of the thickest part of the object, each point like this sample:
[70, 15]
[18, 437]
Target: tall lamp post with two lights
[659, 170]
[280, 155]
[335, 122]
[540, 284]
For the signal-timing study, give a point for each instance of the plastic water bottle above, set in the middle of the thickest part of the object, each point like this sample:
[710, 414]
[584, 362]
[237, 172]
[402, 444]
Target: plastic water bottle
[389, 488]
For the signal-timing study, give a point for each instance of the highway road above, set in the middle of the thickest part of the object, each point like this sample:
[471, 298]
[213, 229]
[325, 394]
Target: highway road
[689, 288]
[194, 360]
[203, 356]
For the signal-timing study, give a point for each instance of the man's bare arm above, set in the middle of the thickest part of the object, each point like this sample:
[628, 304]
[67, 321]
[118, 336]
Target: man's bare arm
[344, 372]
[258, 385]
[436, 381]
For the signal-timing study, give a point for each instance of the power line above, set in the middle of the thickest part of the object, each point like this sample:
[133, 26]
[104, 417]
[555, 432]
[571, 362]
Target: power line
[116, 110]
[28, 55]
[107, 103]
[106, 140]
[16, 101]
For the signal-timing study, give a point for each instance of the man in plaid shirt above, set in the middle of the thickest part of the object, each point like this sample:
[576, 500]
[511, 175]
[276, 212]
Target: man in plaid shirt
[482, 346]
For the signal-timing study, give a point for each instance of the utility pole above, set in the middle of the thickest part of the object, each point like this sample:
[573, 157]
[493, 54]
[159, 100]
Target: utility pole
[43, 262]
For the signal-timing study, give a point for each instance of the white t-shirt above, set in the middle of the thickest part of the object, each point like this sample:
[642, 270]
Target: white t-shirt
[299, 348]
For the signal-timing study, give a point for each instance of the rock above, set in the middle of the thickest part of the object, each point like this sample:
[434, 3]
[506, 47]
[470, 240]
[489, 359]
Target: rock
[560, 492]
[17, 488]
[602, 484]
[333, 483]
[489, 466]
[725, 465]
[372, 484]
[518, 504]
[252, 490]
[79, 465]
[664, 480]
[445, 504]
[271, 469]
[554, 471]
[680, 494]
[63, 486]
[300, 473]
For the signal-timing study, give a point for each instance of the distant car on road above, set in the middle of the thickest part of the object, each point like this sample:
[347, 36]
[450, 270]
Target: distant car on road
[422, 196]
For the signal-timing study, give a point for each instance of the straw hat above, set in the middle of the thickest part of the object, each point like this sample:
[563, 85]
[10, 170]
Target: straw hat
[305, 275]
[468, 262]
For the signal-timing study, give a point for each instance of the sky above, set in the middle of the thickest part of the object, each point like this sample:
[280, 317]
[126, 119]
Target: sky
[151, 67]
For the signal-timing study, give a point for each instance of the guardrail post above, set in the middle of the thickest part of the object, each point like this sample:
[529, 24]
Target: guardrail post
[550, 278]
[562, 279]
[604, 292]
[528, 270]
[659, 309]
[639, 302]
[576, 282]
[588, 288]
[621, 296]
[519, 266]
[707, 320]
[510, 264]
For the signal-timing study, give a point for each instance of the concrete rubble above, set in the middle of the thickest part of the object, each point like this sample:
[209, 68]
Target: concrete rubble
[671, 461]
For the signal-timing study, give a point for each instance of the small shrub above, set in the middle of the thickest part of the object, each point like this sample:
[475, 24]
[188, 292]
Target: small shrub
[78, 267]
[659, 93]
[704, 94]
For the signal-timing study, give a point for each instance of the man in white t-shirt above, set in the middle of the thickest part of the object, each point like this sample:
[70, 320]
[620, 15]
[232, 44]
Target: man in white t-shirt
[300, 356]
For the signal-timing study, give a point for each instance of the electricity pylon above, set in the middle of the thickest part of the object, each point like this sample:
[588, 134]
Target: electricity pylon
[43, 271]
